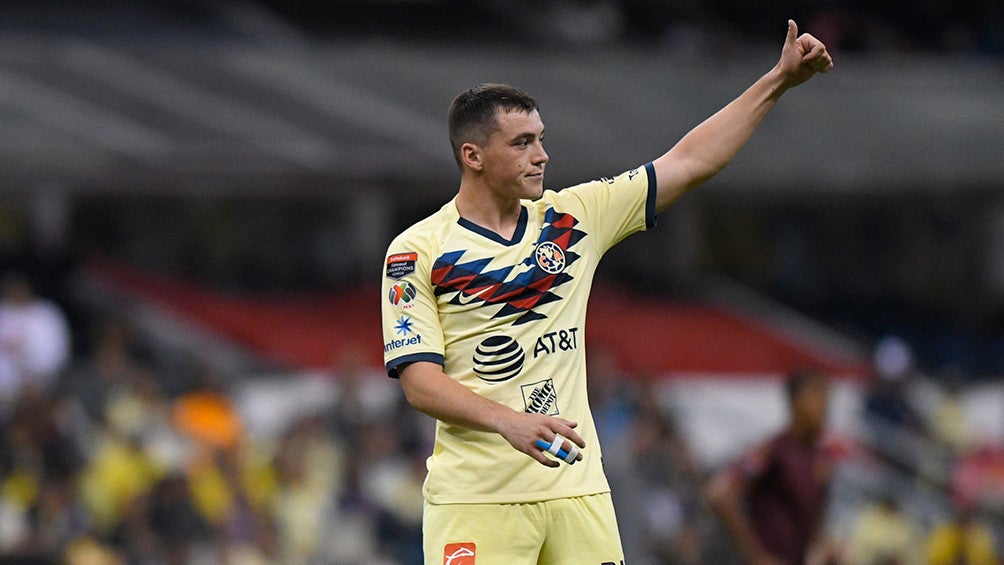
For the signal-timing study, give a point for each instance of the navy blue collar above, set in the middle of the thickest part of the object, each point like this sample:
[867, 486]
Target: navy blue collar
[516, 236]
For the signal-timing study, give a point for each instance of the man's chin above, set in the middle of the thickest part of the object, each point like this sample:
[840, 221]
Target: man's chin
[535, 189]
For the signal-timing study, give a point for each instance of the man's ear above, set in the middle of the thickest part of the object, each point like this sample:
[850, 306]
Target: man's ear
[471, 157]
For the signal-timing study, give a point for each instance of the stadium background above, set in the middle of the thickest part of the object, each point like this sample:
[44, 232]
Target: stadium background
[205, 191]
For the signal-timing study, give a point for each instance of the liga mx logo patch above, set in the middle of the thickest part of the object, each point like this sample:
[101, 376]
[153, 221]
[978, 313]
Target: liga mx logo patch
[402, 293]
[459, 553]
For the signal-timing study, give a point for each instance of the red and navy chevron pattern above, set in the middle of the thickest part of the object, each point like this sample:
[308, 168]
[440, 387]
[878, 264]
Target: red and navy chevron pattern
[469, 282]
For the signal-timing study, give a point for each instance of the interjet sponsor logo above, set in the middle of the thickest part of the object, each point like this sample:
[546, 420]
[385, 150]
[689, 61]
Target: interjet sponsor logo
[398, 343]
[403, 327]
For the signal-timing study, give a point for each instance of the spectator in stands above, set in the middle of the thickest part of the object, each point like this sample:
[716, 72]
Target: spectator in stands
[883, 534]
[34, 340]
[206, 413]
[948, 422]
[614, 398]
[896, 429]
[37, 469]
[886, 403]
[309, 466]
[87, 550]
[391, 485]
[364, 394]
[389, 442]
[163, 526]
[109, 366]
[666, 471]
[235, 492]
[120, 472]
[773, 500]
[962, 540]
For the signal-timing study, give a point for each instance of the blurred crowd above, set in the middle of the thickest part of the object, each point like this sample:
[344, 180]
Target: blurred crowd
[106, 457]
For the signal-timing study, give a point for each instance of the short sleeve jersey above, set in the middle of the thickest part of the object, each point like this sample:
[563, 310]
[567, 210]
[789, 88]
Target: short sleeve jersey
[506, 318]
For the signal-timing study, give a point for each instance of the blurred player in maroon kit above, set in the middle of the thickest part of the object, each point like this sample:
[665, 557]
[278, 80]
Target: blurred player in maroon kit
[773, 500]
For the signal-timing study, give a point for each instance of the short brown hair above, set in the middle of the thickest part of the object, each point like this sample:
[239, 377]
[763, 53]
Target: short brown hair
[472, 112]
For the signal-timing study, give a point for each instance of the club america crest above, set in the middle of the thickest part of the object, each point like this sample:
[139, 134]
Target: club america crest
[550, 257]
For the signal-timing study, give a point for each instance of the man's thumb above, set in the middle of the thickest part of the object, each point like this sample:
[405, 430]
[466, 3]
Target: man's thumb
[792, 32]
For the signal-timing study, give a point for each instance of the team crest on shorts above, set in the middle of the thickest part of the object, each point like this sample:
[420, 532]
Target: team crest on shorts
[459, 553]
[550, 257]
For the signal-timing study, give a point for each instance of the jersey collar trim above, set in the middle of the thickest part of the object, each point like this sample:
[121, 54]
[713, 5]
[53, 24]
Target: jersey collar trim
[517, 235]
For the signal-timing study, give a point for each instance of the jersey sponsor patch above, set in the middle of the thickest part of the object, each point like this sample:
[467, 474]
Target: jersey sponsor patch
[401, 264]
[404, 327]
[540, 398]
[462, 553]
[402, 294]
[498, 358]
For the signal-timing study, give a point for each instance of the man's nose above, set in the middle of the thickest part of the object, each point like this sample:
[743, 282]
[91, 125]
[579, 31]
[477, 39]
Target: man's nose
[541, 156]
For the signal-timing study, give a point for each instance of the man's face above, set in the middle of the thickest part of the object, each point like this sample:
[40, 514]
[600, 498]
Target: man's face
[810, 406]
[514, 156]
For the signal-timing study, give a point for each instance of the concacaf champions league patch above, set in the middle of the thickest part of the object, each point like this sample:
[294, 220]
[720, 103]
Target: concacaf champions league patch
[401, 264]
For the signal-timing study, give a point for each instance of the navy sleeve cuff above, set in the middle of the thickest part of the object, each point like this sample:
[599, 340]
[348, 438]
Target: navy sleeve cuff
[650, 221]
[397, 363]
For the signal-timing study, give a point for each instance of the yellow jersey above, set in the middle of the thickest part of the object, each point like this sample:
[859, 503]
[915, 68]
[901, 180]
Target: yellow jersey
[506, 318]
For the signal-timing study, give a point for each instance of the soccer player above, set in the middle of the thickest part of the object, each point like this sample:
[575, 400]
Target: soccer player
[773, 500]
[484, 313]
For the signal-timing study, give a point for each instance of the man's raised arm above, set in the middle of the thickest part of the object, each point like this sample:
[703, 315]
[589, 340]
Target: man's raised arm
[707, 148]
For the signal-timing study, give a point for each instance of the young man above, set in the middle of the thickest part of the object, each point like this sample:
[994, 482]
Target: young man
[773, 500]
[484, 314]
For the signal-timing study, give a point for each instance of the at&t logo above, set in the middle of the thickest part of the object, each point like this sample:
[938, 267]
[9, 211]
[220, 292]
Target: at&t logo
[553, 342]
[498, 358]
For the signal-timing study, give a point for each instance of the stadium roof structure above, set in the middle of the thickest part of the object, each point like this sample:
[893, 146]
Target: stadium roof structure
[254, 106]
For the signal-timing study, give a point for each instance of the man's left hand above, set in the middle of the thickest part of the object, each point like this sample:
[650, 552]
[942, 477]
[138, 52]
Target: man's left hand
[802, 57]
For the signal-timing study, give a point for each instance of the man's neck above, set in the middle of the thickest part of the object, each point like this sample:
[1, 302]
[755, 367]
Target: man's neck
[486, 208]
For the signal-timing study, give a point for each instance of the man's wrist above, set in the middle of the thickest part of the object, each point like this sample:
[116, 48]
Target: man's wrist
[776, 81]
[498, 417]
